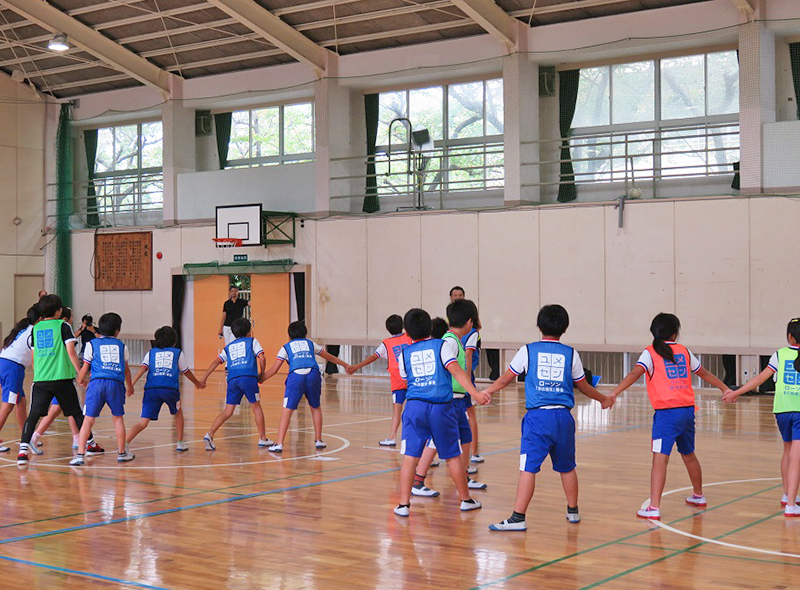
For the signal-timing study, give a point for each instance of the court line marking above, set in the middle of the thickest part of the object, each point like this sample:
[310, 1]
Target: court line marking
[715, 541]
[80, 573]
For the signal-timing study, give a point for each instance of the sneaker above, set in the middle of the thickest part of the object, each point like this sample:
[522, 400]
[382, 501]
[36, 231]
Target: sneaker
[573, 517]
[476, 459]
[695, 500]
[509, 526]
[276, 448]
[35, 450]
[792, 511]
[423, 490]
[78, 460]
[125, 457]
[471, 470]
[4, 449]
[784, 499]
[467, 506]
[435, 463]
[22, 458]
[402, 510]
[209, 442]
[320, 445]
[389, 442]
[265, 443]
[181, 446]
[94, 449]
[650, 513]
[35, 439]
[475, 485]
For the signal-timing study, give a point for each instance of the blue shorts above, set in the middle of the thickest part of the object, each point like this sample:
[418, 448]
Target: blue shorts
[423, 421]
[12, 376]
[102, 392]
[298, 385]
[399, 396]
[467, 402]
[788, 424]
[464, 431]
[239, 387]
[547, 432]
[153, 399]
[673, 426]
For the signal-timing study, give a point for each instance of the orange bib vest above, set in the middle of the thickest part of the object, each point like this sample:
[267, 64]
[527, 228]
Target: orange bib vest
[394, 346]
[670, 385]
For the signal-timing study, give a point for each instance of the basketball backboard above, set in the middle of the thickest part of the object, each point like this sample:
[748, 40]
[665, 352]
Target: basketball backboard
[240, 221]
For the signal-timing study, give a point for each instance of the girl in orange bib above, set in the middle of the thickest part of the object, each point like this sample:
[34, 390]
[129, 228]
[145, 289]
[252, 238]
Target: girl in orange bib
[668, 367]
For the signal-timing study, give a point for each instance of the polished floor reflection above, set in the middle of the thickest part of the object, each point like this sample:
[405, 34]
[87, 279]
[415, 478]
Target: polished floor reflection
[240, 517]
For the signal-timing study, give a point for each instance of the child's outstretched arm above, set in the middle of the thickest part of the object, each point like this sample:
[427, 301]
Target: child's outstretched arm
[463, 379]
[271, 371]
[504, 381]
[81, 378]
[333, 359]
[730, 396]
[214, 364]
[631, 378]
[142, 370]
[262, 363]
[370, 359]
[586, 389]
[712, 379]
[190, 376]
[73, 356]
[128, 383]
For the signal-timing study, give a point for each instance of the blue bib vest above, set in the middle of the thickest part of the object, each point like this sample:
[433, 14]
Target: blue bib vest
[548, 381]
[241, 359]
[476, 354]
[300, 354]
[428, 379]
[163, 372]
[108, 359]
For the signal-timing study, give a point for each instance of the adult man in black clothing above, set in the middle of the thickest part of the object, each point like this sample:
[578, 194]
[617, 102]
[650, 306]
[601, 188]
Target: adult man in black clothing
[232, 310]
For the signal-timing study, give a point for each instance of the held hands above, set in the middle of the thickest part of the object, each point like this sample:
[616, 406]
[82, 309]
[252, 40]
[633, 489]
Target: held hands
[482, 398]
[128, 390]
[200, 385]
[351, 369]
[608, 401]
[730, 396]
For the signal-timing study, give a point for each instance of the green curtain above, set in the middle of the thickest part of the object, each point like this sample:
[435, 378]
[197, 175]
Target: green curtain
[62, 261]
[90, 143]
[794, 53]
[737, 179]
[222, 123]
[567, 99]
[371, 107]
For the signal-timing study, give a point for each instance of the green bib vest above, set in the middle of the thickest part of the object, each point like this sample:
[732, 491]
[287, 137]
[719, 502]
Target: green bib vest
[787, 385]
[462, 360]
[50, 359]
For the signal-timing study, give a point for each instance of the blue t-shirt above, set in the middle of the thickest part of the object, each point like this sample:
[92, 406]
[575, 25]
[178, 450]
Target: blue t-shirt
[300, 354]
[107, 357]
[241, 355]
[423, 365]
[164, 368]
[551, 370]
[476, 353]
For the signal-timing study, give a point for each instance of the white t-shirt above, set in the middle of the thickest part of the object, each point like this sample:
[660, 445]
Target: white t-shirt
[472, 342]
[183, 366]
[773, 360]
[19, 351]
[88, 351]
[519, 364]
[285, 357]
[646, 362]
[257, 350]
[448, 354]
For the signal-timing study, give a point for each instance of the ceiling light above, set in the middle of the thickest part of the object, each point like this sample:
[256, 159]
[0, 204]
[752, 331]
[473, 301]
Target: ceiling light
[58, 42]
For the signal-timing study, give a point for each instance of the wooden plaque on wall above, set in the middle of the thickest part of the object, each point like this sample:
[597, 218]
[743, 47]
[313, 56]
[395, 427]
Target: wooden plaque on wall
[123, 262]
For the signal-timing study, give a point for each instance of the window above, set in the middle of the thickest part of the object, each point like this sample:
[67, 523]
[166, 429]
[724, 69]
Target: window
[671, 117]
[272, 135]
[465, 123]
[128, 169]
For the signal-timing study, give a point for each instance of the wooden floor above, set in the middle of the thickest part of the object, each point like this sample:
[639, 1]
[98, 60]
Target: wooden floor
[241, 517]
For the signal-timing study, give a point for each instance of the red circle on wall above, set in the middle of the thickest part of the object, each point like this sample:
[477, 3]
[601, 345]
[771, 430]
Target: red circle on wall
[159, 255]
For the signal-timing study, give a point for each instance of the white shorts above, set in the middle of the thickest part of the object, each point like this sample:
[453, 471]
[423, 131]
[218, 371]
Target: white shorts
[227, 335]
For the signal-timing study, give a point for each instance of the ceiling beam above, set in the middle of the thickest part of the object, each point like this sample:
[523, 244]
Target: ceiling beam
[273, 29]
[492, 18]
[55, 21]
[745, 7]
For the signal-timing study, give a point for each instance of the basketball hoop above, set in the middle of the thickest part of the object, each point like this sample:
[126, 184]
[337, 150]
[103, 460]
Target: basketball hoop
[227, 242]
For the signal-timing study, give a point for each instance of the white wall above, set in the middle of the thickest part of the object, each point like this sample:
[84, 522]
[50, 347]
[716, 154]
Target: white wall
[710, 261]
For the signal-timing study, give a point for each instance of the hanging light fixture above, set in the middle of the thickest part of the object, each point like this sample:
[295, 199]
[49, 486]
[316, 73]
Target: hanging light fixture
[58, 42]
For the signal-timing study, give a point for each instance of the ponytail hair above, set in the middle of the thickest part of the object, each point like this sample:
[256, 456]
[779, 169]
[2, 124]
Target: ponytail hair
[793, 330]
[20, 326]
[664, 327]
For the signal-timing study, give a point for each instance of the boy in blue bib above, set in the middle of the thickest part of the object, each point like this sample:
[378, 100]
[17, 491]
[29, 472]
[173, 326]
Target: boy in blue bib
[244, 357]
[553, 370]
[164, 365]
[107, 359]
[304, 379]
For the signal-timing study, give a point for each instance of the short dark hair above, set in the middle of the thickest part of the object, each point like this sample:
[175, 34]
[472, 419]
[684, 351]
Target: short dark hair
[297, 330]
[457, 288]
[49, 305]
[418, 323]
[34, 315]
[553, 320]
[109, 324]
[394, 324]
[459, 312]
[438, 327]
[241, 327]
[165, 337]
[88, 319]
[66, 313]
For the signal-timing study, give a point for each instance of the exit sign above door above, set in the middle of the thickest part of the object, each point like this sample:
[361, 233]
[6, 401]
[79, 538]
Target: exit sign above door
[240, 257]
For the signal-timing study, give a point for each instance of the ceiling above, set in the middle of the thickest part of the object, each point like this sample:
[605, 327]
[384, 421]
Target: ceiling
[192, 38]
